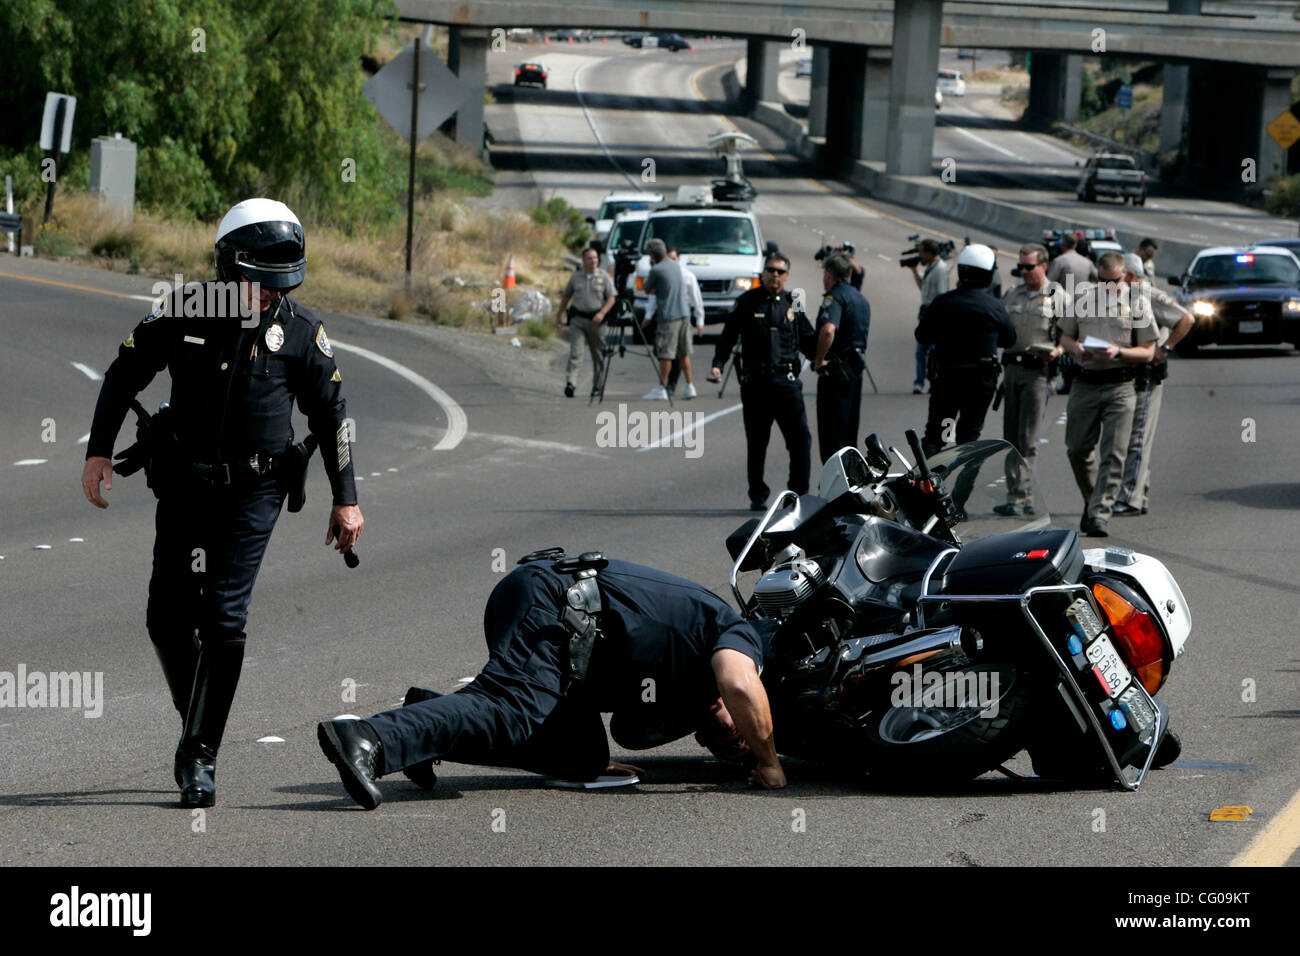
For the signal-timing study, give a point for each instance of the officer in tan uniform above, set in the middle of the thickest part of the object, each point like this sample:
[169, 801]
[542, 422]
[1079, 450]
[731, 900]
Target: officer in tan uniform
[1172, 323]
[1100, 413]
[588, 298]
[1033, 306]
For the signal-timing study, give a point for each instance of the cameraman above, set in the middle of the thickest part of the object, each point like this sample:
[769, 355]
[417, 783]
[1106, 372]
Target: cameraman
[966, 327]
[587, 299]
[932, 282]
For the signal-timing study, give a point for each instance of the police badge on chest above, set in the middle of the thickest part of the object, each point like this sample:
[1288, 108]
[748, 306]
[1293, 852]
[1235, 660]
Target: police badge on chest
[274, 337]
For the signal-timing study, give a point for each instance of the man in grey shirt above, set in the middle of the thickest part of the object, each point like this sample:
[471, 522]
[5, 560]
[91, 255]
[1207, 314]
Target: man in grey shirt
[1070, 263]
[672, 318]
[932, 282]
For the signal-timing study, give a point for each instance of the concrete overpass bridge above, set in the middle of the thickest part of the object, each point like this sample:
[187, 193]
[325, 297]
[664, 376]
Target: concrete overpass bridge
[1228, 66]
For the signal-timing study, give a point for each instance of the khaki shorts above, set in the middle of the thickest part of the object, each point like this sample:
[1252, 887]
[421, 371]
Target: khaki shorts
[672, 339]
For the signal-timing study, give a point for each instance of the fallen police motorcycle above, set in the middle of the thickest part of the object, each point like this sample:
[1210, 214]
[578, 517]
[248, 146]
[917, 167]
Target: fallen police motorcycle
[905, 651]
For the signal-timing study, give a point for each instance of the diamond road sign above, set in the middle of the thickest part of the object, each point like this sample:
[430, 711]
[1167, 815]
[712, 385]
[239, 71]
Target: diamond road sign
[441, 93]
[1285, 130]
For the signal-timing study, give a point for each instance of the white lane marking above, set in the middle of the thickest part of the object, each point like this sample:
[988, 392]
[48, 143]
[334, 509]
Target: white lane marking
[457, 423]
[376, 474]
[83, 439]
[535, 443]
[689, 428]
[146, 298]
[76, 540]
[984, 142]
[32, 461]
[465, 680]
[595, 132]
[43, 547]
[87, 371]
[270, 740]
[392, 469]
[347, 717]
[881, 255]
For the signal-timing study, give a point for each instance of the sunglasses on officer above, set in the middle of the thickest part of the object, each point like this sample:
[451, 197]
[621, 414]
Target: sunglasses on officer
[775, 271]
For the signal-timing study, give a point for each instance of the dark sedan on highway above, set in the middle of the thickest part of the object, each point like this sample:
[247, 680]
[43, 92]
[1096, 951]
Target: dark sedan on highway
[1241, 296]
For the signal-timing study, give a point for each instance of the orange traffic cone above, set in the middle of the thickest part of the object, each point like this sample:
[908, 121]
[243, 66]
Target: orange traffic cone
[510, 273]
[570, 39]
[546, 39]
[604, 39]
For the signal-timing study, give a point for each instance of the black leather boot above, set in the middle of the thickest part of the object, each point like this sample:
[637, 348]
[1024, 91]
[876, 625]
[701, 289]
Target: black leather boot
[422, 773]
[215, 678]
[179, 660]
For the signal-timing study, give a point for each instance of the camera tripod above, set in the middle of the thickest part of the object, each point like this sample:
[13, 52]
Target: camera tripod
[621, 316]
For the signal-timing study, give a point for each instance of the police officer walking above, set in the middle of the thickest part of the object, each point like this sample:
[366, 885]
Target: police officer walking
[772, 333]
[586, 301]
[1100, 413]
[1172, 323]
[966, 327]
[568, 639]
[842, 325]
[1032, 306]
[221, 458]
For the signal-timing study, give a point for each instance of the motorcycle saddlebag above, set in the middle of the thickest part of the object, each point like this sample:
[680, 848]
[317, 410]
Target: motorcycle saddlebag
[1014, 563]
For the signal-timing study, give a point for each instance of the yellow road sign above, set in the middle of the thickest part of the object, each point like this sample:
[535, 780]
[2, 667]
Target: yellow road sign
[1285, 130]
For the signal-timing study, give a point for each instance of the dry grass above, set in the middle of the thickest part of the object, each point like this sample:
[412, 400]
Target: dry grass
[363, 275]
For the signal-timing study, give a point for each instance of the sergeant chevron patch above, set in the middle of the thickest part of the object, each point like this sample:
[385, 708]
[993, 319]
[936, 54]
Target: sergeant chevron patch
[344, 449]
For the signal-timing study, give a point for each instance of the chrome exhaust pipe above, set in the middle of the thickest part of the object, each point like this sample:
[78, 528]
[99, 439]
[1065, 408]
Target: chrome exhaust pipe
[935, 647]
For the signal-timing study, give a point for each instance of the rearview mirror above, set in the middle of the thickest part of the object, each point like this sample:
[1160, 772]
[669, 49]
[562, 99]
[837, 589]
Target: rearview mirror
[846, 470]
[877, 455]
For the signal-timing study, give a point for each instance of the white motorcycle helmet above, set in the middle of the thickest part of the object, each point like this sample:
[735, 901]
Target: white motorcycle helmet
[975, 265]
[261, 240]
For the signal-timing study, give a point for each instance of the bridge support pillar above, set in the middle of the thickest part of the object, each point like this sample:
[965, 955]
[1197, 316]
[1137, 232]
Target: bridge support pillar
[1228, 107]
[821, 72]
[1173, 108]
[762, 64]
[1055, 87]
[467, 58]
[1274, 98]
[909, 148]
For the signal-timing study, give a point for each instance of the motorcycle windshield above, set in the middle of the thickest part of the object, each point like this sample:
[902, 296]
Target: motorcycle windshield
[978, 476]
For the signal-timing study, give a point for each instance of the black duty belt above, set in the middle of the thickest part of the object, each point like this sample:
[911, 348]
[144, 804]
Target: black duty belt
[1024, 359]
[581, 603]
[786, 369]
[581, 314]
[1107, 376]
[982, 364]
[247, 470]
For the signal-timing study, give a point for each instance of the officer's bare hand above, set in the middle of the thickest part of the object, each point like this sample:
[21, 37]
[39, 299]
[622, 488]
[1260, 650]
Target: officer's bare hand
[349, 522]
[1112, 351]
[97, 469]
[767, 777]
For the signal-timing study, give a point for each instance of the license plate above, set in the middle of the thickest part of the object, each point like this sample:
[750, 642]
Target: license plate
[1250, 326]
[1108, 666]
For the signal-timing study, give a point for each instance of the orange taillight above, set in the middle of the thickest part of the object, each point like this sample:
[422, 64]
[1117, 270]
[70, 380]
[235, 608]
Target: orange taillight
[1137, 637]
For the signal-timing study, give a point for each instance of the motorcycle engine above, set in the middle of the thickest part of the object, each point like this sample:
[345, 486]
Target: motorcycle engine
[782, 589]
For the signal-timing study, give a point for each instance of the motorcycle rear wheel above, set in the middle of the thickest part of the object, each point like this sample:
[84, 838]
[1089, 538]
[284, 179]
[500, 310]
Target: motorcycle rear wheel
[935, 744]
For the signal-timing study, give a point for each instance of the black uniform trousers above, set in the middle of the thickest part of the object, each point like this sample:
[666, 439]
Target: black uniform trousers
[517, 712]
[962, 394]
[207, 551]
[780, 400]
[839, 408]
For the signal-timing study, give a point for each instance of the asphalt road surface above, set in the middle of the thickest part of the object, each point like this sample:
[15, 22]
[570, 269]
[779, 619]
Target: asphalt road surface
[446, 497]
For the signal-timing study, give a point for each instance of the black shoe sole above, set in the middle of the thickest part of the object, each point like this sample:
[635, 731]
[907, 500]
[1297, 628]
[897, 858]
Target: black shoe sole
[332, 748]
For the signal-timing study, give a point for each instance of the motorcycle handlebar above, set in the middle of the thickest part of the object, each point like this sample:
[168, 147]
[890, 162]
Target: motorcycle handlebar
[914, 443]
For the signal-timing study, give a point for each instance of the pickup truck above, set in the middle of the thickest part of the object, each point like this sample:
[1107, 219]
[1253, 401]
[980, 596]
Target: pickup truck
[1113, 174]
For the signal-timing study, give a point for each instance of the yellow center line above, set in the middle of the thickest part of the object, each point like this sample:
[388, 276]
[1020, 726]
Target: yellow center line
[1277, 842]
[66, 285]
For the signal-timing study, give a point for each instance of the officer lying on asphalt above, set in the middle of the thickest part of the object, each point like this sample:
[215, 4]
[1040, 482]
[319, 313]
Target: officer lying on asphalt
[568, 639]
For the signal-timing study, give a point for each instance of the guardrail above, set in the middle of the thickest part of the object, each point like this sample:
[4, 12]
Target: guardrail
[14, 222]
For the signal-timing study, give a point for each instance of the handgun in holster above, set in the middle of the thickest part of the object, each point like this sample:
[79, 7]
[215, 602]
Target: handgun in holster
[155, 448]
[293, 476]
[997, 396]
[581, 605]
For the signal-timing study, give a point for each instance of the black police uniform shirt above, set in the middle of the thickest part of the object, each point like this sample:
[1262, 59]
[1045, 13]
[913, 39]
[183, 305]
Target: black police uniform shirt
[848, 312]
[965, 326]
[769, 328]
[233, 387]
[664, 630]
